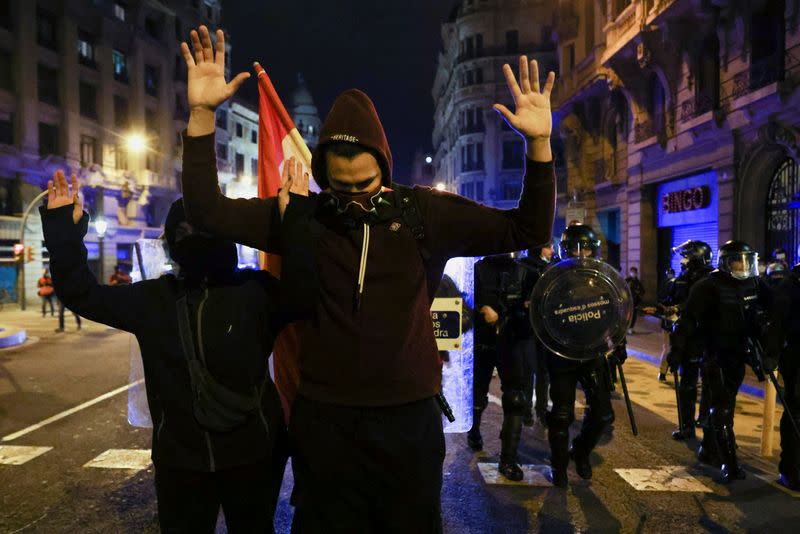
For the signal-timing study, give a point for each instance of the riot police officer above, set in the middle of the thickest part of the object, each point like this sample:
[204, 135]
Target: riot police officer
[695, 265]
[503, 319]
[722, 315]
[784, 342]
[578, 240]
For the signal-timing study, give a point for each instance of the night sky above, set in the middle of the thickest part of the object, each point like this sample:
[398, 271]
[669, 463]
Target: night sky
[387, 49]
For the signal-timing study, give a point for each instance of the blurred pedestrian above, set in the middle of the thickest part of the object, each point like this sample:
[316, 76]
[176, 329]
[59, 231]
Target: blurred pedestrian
[46, 292]
[637, 290]
[120, 276]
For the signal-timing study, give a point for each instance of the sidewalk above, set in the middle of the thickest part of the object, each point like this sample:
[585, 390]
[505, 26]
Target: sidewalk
[641, 372]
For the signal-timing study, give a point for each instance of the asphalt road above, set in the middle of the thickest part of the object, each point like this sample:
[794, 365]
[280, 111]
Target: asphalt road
[56, 491]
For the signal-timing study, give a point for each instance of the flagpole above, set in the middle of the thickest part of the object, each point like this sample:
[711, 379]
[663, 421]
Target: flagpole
[283, 115]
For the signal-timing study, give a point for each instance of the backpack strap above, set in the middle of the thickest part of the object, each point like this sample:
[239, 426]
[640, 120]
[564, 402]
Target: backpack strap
[411, 216]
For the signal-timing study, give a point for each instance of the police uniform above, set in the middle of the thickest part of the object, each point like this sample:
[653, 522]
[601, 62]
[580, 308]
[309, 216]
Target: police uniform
[721, 318]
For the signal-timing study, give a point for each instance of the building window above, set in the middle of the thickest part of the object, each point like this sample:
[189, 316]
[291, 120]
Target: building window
[222, 119]
[479, 191]
[472, 121]
[120, 112]
[88, 100]
[46, 34]
[153, 28]
[512, 190]
[513, 154]
[239, 130]
[569, 57]
[254, 136]
[151, 121]
[120, 11]
[120, 158]
[222, 151]
[707, 89]
[151, 80]
[90, 152]
[768, 36]
[48, 139]
[657, 104]
[783, 220]
[151, 161]
[120, 66]
[47, 85]
[7, 129]
[512, 41]
[86, 48]
[6, 71]
[5, 14]
[472, 157]
[239, 164]
[253, 166]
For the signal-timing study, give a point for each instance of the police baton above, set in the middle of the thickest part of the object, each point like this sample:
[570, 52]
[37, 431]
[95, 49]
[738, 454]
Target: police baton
[628, 404]
[678, 399]
[774, 381]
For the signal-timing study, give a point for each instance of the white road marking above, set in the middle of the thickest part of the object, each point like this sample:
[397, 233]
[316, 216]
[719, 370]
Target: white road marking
[663, 478]
[20, 454]
[134, 459]
[71, 411]
[533, 475]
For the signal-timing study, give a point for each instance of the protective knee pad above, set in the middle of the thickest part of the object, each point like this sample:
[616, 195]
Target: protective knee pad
[514, 402]
[719, 417]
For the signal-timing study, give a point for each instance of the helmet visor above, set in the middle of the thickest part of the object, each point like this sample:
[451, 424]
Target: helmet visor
[579, 249]
[740, 265]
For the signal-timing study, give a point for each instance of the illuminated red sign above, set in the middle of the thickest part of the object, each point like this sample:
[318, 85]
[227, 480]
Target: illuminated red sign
[692, 199]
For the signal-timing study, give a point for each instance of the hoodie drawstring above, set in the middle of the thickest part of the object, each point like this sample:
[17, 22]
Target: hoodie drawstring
[362, 269]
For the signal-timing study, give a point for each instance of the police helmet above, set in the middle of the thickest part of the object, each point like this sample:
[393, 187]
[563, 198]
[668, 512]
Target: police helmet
[578, 238]
[695, 253]
[776, 268]
[739, 260]
[779, 254]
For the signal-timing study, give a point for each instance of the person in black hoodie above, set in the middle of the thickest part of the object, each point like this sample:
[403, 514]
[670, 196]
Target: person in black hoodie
[366, 429]
[205, 338]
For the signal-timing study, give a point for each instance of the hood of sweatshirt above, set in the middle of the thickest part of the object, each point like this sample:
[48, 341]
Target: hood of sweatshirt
[352, 119]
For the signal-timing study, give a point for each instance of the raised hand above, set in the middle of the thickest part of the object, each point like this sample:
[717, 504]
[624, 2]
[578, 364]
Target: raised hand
[294, 179]
[532, 117]
[207, 87]
[59, 195]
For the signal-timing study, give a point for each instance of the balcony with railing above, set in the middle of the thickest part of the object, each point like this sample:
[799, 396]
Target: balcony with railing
[696, 106]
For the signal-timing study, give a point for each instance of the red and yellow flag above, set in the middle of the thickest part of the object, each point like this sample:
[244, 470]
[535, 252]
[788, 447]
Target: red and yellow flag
[278, 140]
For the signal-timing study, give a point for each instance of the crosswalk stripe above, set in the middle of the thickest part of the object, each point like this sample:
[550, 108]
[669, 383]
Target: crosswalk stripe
[20, 454]
[131, 459]
[663, 478]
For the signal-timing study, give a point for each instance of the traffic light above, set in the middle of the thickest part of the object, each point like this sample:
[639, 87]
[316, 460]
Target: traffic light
[19, 249]
[28, 254]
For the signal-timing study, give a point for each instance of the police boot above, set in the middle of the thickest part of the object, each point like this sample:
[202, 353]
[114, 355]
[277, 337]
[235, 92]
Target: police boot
[559, 454]
[509, 439]
[686, 409]
[474, 438]
[726, 444]
[580, 456]
[707, 451]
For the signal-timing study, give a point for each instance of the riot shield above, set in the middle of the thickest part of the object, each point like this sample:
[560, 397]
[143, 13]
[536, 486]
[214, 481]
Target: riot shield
[581, 308]
[149, 261]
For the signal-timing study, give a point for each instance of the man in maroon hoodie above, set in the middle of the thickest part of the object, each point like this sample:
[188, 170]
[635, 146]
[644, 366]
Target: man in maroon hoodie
[366, 429]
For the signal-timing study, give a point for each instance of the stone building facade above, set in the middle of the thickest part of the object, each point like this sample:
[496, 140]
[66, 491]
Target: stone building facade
[77, 79]
[475, 153]
[680, 119]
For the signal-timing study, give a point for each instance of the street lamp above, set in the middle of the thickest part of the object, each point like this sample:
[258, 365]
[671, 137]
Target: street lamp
[441, 187]
[428, 160]
[135, 143]
[100, 228]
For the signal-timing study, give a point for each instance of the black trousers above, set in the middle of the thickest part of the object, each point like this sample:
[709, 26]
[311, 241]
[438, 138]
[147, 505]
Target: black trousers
[790, 444]
[367, 469]
[61, 309]
[45, 301]
[483, 364]
[540, 379]
[189, 501]
[723, 377]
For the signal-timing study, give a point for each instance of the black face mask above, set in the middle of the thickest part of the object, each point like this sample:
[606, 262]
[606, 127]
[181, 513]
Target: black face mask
[205, 257]
[358, 201]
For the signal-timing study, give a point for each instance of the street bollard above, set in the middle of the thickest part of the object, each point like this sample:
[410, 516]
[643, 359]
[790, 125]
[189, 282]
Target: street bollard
[768, 424]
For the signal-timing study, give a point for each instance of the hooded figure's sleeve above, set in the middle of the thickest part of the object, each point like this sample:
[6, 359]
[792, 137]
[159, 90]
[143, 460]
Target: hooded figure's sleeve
[253, 222]
[121, 306]
[456, 226]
